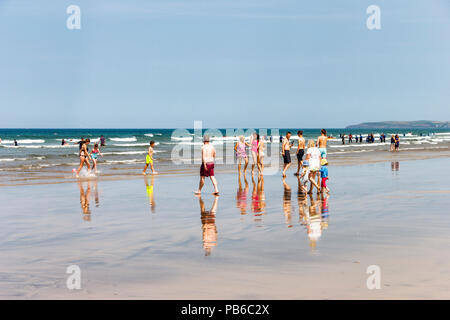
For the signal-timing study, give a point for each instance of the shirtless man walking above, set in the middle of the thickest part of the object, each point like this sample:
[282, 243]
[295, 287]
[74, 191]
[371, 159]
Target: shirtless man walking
[286, 153]
[322, 143]
[207, 167]
[300, 151]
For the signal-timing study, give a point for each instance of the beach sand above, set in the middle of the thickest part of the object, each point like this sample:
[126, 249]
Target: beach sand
[144, 238]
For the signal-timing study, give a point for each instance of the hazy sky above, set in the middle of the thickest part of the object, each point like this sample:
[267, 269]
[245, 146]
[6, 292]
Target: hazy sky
[240, 63]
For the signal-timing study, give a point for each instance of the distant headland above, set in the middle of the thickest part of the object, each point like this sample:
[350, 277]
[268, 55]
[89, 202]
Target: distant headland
[421, 124]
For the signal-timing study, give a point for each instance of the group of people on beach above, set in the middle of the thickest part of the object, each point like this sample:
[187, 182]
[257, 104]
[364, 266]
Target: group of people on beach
[257, 151]
[395, 143]
[311, 158]
[369, 138]
[314, 169]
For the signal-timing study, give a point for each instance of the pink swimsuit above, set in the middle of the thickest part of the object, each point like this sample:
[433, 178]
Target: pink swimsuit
[255, 146]
[240, 150]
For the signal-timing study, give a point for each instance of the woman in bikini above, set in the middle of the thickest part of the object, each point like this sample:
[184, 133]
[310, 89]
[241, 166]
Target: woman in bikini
[260, 154]
[84, 157]
[254, 145]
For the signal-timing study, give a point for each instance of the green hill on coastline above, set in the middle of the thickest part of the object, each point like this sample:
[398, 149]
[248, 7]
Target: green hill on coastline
[421, 124]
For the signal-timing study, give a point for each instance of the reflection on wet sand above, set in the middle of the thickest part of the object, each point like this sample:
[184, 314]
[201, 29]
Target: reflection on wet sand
[149, 191]
[96, 196]
[209, 230]
[316, 218]
[395, 165]
[84, 200]
[258, 199]
[287, 203]
[241, 196]
[302, 202]
[312, 211]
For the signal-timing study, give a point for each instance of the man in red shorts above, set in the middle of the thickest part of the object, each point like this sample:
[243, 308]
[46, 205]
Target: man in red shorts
[207, 168]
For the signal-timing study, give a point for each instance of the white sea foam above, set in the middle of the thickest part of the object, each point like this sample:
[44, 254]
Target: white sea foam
[11, 159]
[442, 134]
[124, 161]
[133, 144]
[132, 139]
[125, 153]
[24, 141]
[149, 134]
[181, 138]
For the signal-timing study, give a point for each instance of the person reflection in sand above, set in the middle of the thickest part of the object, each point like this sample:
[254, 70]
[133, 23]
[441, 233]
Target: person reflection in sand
[287, 203]
[241, 196]
[258, 197]
[317, 218]
[149, 190]
[209, 230]
[302, 202]
[96, 197]
[395, 165]
[84, 200]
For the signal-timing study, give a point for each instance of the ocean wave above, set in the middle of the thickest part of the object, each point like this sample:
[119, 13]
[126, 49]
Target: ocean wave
[358, 145]
[39, 146]
[132, 139]
[442, 134]
[124, 153]
[11, 159]
[25, 141]
[124, 161]
[132, 144]
[181, 138]
[148, 134]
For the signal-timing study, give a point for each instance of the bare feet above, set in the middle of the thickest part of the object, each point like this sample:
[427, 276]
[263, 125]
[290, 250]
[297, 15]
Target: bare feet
[143, 172]
[198, 192]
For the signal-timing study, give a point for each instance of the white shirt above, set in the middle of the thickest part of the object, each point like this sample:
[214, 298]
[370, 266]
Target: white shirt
[314, 160]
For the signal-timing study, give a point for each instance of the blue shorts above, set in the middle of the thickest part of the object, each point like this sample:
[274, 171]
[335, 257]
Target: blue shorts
[323, 152]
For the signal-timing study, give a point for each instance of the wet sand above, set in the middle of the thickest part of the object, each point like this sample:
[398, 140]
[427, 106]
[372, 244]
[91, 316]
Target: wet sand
[145, 238]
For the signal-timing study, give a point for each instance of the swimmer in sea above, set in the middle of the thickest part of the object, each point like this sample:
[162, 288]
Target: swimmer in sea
[149, 159]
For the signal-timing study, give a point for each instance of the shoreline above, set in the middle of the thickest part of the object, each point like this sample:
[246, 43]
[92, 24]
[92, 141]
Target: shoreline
[192, 170]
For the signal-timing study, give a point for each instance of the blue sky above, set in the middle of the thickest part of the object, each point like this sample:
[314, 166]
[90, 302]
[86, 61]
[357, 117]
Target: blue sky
[243, 63]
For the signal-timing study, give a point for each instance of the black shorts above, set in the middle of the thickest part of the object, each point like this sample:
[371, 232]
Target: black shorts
[300, 155]
[287, 156]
